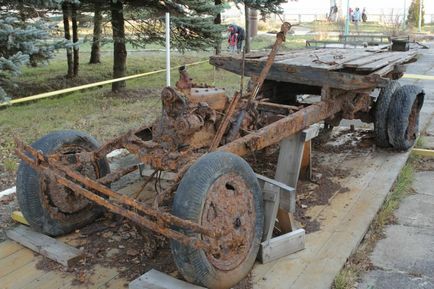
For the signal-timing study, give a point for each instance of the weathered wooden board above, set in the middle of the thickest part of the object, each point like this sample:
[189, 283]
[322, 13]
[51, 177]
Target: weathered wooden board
[45, 245]
[282, 246]
[338, 68]
[154, 279]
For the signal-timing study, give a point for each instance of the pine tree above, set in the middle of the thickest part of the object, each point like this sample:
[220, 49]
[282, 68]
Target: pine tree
[20, 44]
[413, 14]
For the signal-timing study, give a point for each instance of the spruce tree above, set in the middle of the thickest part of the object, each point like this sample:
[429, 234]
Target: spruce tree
[21, 43]
[413, 14]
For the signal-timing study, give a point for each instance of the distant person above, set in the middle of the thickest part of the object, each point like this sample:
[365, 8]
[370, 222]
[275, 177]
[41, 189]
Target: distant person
[350, 13]
[240, 35]
[357, 17]
[333, 13]
[364, 16]
[232, 40]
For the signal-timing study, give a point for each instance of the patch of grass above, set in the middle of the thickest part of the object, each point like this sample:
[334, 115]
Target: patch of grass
[421, 142]
[10, 165]
[359, 261]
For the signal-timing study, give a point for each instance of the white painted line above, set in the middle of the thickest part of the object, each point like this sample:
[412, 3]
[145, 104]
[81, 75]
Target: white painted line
[8, 191]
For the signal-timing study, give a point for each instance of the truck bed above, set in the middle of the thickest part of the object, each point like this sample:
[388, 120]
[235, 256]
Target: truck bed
[346, 69]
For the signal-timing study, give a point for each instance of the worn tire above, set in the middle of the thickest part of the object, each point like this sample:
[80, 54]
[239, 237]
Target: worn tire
[33, 189]
[381, 113]
[191, 203]
[403, 116]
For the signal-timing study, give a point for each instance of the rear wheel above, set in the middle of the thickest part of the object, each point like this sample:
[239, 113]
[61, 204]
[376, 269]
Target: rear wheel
[381, 113]
[219, 191]
[51, 208]
[403, 116]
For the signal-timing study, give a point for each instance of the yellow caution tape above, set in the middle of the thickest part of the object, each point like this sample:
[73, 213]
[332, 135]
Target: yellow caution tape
[76, 88]
[423, 152]
[418, 76]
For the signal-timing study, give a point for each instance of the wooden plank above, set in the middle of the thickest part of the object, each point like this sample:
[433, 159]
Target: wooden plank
[52, 279]
[15, 261]
[45, 245]
[154, 279]
[20, 278]
[8, 248]
[282, 246]
[379, 63]
[289, 160]
[365, 60]
[271, 195]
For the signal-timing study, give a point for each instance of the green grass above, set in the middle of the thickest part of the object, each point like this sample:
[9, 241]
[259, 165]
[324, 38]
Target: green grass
[359, 261]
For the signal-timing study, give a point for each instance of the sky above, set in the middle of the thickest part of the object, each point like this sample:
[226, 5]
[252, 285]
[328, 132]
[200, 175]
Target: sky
[372, 6]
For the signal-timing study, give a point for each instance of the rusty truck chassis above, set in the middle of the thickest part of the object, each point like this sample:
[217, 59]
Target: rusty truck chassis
[346, 104]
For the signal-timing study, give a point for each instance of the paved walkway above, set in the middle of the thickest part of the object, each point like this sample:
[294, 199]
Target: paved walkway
[404, 259]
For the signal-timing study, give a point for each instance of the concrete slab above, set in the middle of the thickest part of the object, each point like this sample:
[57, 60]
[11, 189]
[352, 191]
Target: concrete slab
[406, 249]
[428, 142]
[424, 183]
[416, 211]
[379, 279]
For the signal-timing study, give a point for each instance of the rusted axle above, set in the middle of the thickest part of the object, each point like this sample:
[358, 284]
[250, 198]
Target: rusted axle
[57, 172]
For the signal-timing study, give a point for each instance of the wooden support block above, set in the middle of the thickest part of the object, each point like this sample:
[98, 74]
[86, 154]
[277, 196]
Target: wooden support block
[45, 245]
[282, 246]
[423, 152]
[271, 195]
[287, 193]
[18, 216]
[157, 280]
[306, 167]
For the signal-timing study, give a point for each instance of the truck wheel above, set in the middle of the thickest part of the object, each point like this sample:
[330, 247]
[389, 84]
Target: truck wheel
[403, 116]
[381, 113]
[50, 208]
[219, 191]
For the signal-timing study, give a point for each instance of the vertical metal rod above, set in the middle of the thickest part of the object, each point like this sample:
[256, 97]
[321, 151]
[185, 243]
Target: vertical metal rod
[347, 19]
[167, 49]
[420, 15]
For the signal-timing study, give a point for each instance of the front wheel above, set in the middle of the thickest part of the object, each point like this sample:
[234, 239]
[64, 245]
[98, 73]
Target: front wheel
[49, 207]
[219, 191]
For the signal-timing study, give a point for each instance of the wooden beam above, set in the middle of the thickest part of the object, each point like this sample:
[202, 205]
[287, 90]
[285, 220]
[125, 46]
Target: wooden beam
[282, 246]
[45, 245]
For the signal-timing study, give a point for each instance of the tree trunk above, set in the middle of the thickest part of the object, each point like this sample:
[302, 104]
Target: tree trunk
[247, 25]
[119, 51]
[75, 39]
[65, 10]
[218, 21]
[95, 54]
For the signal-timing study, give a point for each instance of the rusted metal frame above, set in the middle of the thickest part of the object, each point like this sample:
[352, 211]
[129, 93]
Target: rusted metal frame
[110, 178]
[277, 105]
[285, 127]
[280, 38]
[225, 122]
[169, 233]
[40, 159]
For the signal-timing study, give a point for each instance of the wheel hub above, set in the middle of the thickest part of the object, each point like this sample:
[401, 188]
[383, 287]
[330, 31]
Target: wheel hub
[229, 206]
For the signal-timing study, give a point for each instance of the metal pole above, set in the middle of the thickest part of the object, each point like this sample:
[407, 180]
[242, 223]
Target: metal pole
[420, 15]
[403, 17]
[347, 19]
[167, 49]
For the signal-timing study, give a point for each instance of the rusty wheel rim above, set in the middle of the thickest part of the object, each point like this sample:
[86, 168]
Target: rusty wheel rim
[412, 127]
[229, 206]
[62, 201]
